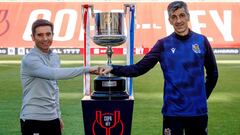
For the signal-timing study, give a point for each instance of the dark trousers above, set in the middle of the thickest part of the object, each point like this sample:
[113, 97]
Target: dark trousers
[196, 125]
[36, 127]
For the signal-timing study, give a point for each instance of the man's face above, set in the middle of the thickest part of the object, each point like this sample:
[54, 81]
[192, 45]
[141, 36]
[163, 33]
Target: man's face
[43, 38]
[179, 20]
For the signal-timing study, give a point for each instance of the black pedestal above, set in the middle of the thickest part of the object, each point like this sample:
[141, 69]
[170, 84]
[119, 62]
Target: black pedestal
[107, 117]
[109, 87]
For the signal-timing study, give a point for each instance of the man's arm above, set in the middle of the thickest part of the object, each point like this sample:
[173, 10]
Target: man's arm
[34, 67]
[211, 69]
[141, 67]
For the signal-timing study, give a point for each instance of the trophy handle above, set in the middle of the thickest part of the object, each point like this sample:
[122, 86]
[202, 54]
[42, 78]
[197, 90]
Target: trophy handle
[86, 26]
[126, 6]
[88, 6]
[130, 42]
[92, 10]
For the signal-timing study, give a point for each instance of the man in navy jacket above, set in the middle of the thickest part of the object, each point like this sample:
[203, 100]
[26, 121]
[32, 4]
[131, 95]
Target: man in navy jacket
[183, 56]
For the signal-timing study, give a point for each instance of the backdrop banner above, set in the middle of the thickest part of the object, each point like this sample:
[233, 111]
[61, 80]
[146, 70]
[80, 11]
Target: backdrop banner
[218, 21]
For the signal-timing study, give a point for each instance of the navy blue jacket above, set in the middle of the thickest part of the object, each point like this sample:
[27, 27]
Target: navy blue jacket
[182, 59]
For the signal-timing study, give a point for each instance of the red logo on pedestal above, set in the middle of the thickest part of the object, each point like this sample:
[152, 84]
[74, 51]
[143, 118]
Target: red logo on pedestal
[110, 122]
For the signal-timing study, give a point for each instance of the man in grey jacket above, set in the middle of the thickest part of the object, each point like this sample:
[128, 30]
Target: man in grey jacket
[40, 70]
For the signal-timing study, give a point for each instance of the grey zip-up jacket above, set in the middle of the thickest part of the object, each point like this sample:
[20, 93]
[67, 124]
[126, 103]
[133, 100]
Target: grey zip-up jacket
[39, 74]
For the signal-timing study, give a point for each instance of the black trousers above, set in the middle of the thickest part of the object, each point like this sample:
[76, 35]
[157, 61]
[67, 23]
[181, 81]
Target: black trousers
[36, 127]
[196, 125]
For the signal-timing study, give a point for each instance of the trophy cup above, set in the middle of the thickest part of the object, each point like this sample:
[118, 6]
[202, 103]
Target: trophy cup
[109, 32]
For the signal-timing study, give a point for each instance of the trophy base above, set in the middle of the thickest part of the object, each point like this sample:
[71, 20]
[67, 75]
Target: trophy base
[109, 83]
[109, 87]
[111, 95]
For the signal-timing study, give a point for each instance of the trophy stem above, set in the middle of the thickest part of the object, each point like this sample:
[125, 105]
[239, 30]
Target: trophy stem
[109, 55]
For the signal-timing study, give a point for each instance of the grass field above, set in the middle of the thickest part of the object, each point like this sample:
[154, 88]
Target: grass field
[224, 103]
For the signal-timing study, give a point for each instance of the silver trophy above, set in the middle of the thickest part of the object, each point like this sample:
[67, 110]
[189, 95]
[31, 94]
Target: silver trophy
[109, 32]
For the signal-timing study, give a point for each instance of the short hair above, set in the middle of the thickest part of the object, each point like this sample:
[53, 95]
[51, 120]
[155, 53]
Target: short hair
[41, 22]
[173, 6]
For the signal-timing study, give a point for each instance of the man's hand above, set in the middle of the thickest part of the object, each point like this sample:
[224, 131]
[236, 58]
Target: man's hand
[61, 124]
[94, 70]
[105, 69]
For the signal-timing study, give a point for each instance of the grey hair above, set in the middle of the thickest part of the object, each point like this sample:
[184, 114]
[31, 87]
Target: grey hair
[173, 6]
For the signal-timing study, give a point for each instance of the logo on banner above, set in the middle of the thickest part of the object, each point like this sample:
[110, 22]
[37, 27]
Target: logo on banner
[108, 124]
[4, 24]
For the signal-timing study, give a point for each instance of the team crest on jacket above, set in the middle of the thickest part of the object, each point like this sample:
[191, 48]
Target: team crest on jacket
[173, 50]
[196, 48]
